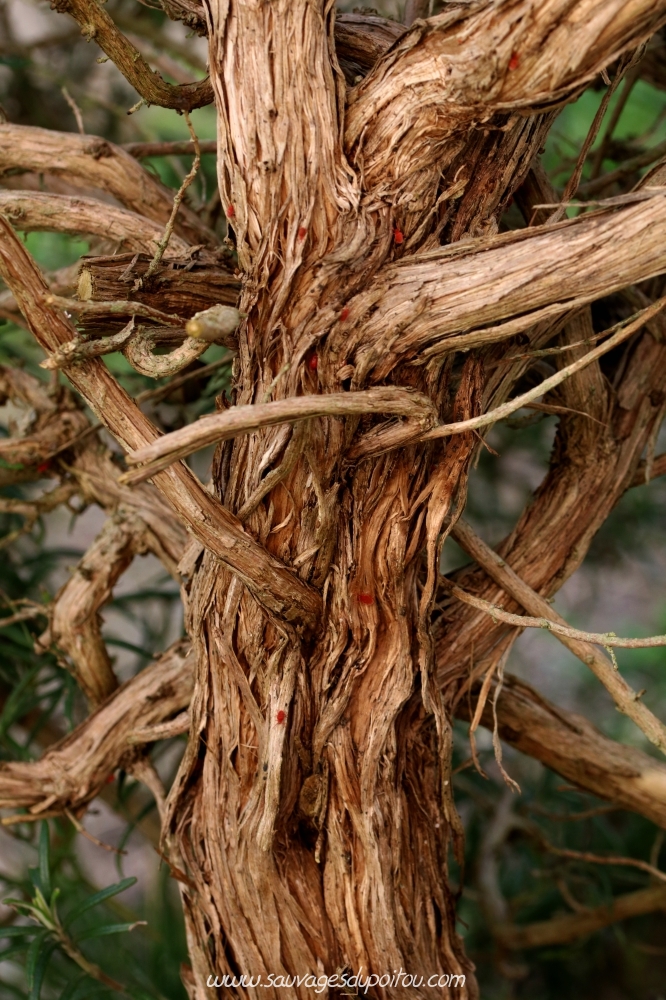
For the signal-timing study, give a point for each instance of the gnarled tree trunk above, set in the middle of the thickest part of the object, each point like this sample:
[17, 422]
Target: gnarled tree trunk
[314, 810]
[312, 814]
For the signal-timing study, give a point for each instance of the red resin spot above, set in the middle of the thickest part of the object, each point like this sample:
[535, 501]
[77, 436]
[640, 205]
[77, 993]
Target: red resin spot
[366, 598]
[44, 467]
[398, 235]
[344, 314]
[110, 779]
[514, 61]
[302, 233]
[231, 211]
[281, 716]
[313, 362]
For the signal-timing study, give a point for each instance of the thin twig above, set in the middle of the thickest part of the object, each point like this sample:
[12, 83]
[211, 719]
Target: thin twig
[623, 330]
[77, 439]
[562, 410]
[23, 616]
[626, 699]
[75, 108]
[600, 152]
[89, 836]
[598, 859]
[574, 180]
[141, 150]
[630, 198]
[80, 348]
[628, 62]
[180, 194]
[524, 621]
[625, 170]
[17, 818]
[573, 817]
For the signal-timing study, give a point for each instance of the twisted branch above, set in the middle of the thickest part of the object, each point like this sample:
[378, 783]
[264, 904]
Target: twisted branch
[269, 580]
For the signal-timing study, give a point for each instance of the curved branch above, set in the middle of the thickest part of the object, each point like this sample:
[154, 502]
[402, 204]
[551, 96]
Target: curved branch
[96, 24]
[412, 111]
[75, 624]
[95, 162]
[139, 353]
[269, 580]
[32, 211]
[487, 290]
[245, 419]
[75, 769]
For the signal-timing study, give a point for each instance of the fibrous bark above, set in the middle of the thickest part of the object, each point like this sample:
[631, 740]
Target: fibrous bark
[313, 811]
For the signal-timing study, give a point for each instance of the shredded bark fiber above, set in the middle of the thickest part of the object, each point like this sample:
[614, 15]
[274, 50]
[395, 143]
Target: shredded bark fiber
[363, 169]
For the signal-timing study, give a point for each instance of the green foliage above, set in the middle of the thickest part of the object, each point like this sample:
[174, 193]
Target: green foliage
[56, 896]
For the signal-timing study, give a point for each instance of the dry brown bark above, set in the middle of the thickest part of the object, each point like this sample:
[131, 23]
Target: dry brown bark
[573, 926]
[571, 746]
[75, 769]
[563, 741]
[61, 213]
[184, 286]
[313, 811]
[91, 162]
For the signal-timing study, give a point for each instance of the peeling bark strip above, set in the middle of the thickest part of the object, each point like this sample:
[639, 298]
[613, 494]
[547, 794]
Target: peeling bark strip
[152, 706]
[570, 745]
[312, 815]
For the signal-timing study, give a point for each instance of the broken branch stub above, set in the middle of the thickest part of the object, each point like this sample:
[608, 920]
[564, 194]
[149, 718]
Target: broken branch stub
[216, 324]
[271, 582]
